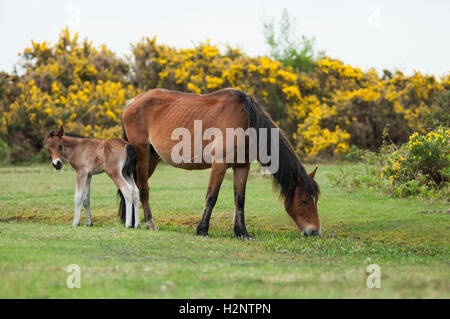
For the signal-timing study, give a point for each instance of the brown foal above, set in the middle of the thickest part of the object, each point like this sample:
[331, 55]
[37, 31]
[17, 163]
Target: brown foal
[89, 156]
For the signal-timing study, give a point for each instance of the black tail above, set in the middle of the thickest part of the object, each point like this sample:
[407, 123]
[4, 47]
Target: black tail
[124, 134]
[128, 169]
[130, 162]
[290, 168]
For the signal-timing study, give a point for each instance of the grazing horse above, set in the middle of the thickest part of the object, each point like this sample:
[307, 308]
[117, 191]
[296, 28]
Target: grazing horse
[89, 156]
[151, 121]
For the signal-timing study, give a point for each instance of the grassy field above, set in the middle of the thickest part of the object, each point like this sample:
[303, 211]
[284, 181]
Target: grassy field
[408, 239]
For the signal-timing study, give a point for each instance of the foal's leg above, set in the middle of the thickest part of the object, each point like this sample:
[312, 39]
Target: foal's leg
[215, 181]
[240, 175]
[81, 176]
[87, 201]
[135, 200]
[137, 220]
[142, 170]
[126, 189]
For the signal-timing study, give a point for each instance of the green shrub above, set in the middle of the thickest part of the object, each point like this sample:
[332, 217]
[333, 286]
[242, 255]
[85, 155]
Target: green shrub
[419, 168]
[5, 153]
[425, 159]
[354, 154]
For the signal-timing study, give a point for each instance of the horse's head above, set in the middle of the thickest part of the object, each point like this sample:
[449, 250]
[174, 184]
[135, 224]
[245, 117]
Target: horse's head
[53, 142]
[302, 208]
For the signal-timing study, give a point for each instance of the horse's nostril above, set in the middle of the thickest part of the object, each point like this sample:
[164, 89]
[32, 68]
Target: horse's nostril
[312, 232]
[58, 165]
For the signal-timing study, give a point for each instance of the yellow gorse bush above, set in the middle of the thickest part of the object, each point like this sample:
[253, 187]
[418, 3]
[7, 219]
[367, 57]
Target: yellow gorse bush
[204, 69]
[70, 83]
[323, 111]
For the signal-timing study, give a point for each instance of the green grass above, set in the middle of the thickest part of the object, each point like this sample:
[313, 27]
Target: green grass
[407, 238]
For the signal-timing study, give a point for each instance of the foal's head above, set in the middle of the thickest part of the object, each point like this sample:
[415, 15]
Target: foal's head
[53, 142]
[302, 207]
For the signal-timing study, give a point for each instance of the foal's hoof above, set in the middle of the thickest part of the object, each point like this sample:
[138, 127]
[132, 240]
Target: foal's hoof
[137, 226]
[89, 225]
[76, 224]
[128, 226]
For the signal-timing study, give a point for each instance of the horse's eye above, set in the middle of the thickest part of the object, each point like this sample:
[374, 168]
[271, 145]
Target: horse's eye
[60, 147]
[304, 202]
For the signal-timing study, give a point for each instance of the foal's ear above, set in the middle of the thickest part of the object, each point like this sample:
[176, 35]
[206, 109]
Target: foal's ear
[313, 173]
[46, 137]
[61, 131]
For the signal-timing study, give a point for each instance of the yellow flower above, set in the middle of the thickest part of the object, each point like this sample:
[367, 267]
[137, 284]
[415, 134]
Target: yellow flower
[213, 82]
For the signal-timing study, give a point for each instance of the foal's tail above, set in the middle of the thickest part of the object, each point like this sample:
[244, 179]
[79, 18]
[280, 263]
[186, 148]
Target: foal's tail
[130, 162]
[128, 169]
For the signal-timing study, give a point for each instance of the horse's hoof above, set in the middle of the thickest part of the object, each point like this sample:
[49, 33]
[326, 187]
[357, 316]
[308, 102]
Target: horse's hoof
[137, 226]
[89, 225]
[128, 226]
[76, 224]
[151, 225]
[202, 233]
[243, 236]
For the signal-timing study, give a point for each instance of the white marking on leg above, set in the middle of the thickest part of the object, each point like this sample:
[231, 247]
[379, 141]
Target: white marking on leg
[135, 190]
[128, 205]
[78, 203]
[81, 176]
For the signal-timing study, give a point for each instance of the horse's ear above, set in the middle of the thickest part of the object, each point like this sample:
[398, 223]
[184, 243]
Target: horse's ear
[61, 131]
[313, 173]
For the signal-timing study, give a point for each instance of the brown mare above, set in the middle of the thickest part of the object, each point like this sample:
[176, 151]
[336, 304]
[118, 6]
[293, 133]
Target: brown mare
[150, 119]
[89, 156]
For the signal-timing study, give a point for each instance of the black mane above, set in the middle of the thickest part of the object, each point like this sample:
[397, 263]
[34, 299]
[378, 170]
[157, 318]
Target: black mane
[290, 169]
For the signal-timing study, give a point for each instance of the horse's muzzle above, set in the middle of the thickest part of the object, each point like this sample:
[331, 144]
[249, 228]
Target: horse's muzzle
[57, 166]
[311, 232]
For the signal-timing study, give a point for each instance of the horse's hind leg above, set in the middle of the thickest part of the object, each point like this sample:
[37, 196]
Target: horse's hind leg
[87, 201]
[240, 175]
[142, 170]
[215, 181]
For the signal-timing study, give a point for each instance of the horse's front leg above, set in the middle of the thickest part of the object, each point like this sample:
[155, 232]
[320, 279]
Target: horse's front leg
[215, 181]
[87, 201]
[240, 175]
[81, 176]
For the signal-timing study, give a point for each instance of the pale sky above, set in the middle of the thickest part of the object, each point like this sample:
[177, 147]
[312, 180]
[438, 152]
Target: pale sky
[405, 35]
